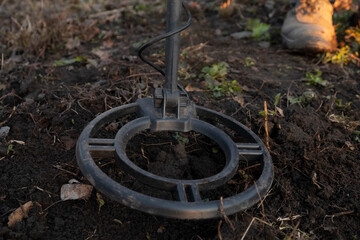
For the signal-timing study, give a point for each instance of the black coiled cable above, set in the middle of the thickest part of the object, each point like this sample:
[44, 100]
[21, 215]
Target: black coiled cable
[163, 36]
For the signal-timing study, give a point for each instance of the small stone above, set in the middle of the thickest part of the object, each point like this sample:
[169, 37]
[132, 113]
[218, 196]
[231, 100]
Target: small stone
[241, 35]
[4, 131]
[75, 190]
[270, 4]
[41, 96]
[218, 32]
[29, 101]
[264, 44]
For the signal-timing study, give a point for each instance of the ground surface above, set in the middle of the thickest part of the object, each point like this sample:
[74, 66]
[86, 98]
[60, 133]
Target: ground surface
[46, 104]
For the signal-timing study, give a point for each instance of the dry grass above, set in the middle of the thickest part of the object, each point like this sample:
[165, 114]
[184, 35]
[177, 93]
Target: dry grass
[37, 27]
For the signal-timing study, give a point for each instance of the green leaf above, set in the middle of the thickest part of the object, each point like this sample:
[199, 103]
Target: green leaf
[100, 201]
[277, 99]
[64, 62]
[259, 29]
[10, 149]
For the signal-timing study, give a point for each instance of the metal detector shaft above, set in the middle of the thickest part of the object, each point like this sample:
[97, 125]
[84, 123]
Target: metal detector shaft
[172, 46]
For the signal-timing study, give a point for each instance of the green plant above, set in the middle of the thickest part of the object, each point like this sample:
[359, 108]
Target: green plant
[276, 102]
[341, 21]
[349, 37]
[353, 37]
[316, 79]
[226, 88]
[64, 62]
[217, 71]
[342, 56]
[184, 72]
[140, 7]
[249, 62]
[215, 78]
[339, 104]
[260, 31]
[10, 149]
[357, 137]
[305, 98]
[180, 138]
[100, 201]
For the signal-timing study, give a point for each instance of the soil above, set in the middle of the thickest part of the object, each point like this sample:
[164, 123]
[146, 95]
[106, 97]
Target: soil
[313, 143]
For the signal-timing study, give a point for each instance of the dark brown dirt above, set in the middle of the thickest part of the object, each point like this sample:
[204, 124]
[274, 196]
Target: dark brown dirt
[315, 194]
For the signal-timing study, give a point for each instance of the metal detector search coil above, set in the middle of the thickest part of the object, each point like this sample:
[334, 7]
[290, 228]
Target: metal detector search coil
[172, 110]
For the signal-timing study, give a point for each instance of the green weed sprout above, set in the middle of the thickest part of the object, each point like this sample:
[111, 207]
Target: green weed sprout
[215, 78]
[316, 79]
[260, 31]
[272, 112]
[180, 138]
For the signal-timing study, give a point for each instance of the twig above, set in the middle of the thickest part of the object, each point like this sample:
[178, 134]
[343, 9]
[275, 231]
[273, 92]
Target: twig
[266, 125]
[92, 235]
[339, 214]
[251, 223]
[138, 75]
[10, 94]
[227, 220]
[156, 144]
[61, 169]
[250, 167]
[294, 230]
[106, 13]
[219, 230]
[43, 190]
[52, 204]
[2, 62]
[288, 218]
[261, 201]
[143, 154]
[108, 163]
[9, 117]
[2, 158]
[194, 150]
[313, 139]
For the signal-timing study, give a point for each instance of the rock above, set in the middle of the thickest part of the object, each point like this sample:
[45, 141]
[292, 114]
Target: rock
[270, 4]
[29, 101]
[4, 131]
[218, 32]
[75, 190]
[241, 35]
[264, 44]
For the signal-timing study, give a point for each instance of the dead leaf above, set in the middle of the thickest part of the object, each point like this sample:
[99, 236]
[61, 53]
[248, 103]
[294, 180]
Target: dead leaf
[189, 88]
[103, 55]
[2, 87]
[72, 43]
[349, 145]
[108, 43]
[75, 190]
[90, 32]
[280, 111]
[240, 100]
[19, 214]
